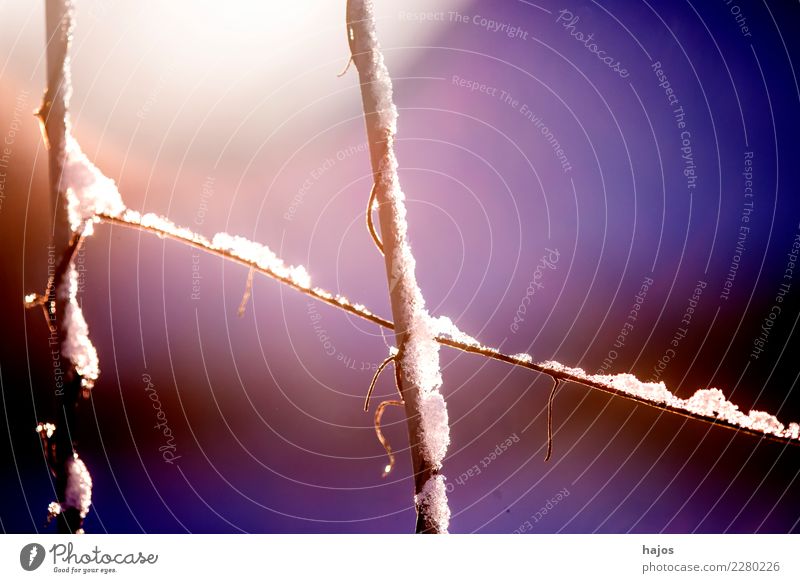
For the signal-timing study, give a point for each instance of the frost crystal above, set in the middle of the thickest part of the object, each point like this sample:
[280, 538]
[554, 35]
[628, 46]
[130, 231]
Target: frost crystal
[164, 226]
[386, 109]
[445, 328]
[89, 191]
[46, 429]
[78, 493]
[262, 256]
[432, 500]
[420, 365]
[240, 247]
[249, 251]
[77, 346]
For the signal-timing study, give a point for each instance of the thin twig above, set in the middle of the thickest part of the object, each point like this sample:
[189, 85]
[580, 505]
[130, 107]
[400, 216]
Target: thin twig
[52, 117]
[370, 223]
[317, 293]
[375, 379]
[550, 420]
[248, 290]
[346, 67]
[55, 281]
[381, 438]
[485, 351]
[379, 118]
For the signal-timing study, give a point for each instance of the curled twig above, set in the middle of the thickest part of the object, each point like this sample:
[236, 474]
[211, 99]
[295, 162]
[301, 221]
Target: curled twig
[248, 291]
[346, 67]
[378, 372]
[556, 382]
[370, 222]
[381, 438]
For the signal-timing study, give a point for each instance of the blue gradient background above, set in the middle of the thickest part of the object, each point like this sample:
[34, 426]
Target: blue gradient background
[268, 425]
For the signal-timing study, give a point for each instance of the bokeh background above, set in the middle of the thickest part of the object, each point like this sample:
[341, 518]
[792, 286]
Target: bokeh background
[231, 117]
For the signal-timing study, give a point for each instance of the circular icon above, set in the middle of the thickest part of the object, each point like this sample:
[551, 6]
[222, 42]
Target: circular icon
[31, 556]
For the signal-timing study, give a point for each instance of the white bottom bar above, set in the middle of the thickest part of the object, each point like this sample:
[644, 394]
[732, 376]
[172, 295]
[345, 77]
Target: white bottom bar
[407, 558]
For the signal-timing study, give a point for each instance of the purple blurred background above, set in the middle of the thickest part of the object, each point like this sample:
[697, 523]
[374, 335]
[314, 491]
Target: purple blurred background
[230, 117]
